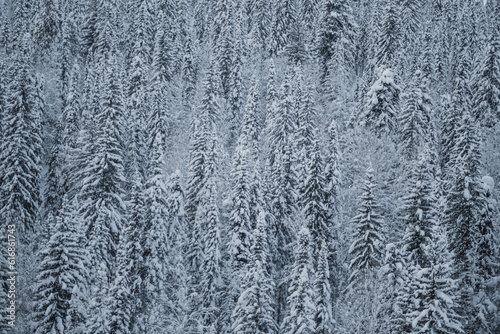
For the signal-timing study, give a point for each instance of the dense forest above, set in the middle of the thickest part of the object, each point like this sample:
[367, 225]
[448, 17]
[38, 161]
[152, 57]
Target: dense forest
[249, 166]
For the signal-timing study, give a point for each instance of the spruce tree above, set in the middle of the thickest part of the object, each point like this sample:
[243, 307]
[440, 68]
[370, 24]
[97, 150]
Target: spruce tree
[283, 21]
[332, 170]
[336, 21]
[366, 250]
[324, 317]
[415, 120]
[98, 320]
[210, 283]
[314, 197]
[157, 224]
[464, 220]
[301, 315]
[382, 105]
[102, 190]
[435, 297]
[63, 266]
[487, 88]
[419, 211]
[254, 311]
[386, 38]
[21, 145]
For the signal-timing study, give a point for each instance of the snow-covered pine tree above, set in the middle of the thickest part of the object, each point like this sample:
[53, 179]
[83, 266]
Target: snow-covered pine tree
[71, 115]
[336, 21]
[324, 318]
[21, 144]
[240, 224]
[332, 170]
[300, 318]
[157, 223]
[461, 102]
[102, 190]
[235, 81]
[366, 250]
[419, 211]
[314, 199]
[435, 302]
[120, 302]
[282, 23]
[254, 313]
[189, 70]
[210, 283]
[282, 183]
[46, 23]
[465, 204]
[393, 296]
[223, 39]
[415, 120]
[386, 39]
[136, 239]
[261, 23]
[203, 124]
[98, 309]
[63, 266]
[137, 94]
[381, 109]
[487, 88]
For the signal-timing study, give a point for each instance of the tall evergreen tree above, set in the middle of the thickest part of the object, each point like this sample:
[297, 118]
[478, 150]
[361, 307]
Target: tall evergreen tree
[382, 103]
[415, 120]
[419, 212]
[487, 88]
[336, 21]
[301, 316]
[435, 297]
[324, 317]
[102, 190]
[63, 266]
[314, 196]
[366, 249]
[21, 144]
[254, 311]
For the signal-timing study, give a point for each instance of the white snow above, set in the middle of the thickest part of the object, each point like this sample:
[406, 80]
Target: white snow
[488, 183]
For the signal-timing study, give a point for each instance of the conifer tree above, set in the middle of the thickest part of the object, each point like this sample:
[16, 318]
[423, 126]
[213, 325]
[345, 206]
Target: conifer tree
[314, 196]
[210, 283]
[62, 267]
[487, 88]
[71, 126]
[366, 249]
[261, 22]
[120, 299]
[254, 311]
[419, 211]
[21, 144]
[415, 120]
[394, 294]
[157, 224]
[135, 235]
[382, 103]
[387, 36]
[98, 320]
[332, 170]
[466, 203]
[301, 316]
[435, 297]
[209, 113]
[102, 190]
[336, 22]
[324, 317]
[283, 21]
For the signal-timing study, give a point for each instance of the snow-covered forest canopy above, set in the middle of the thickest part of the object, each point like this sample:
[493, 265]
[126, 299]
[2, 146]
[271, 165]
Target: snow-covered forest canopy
[249, 166]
